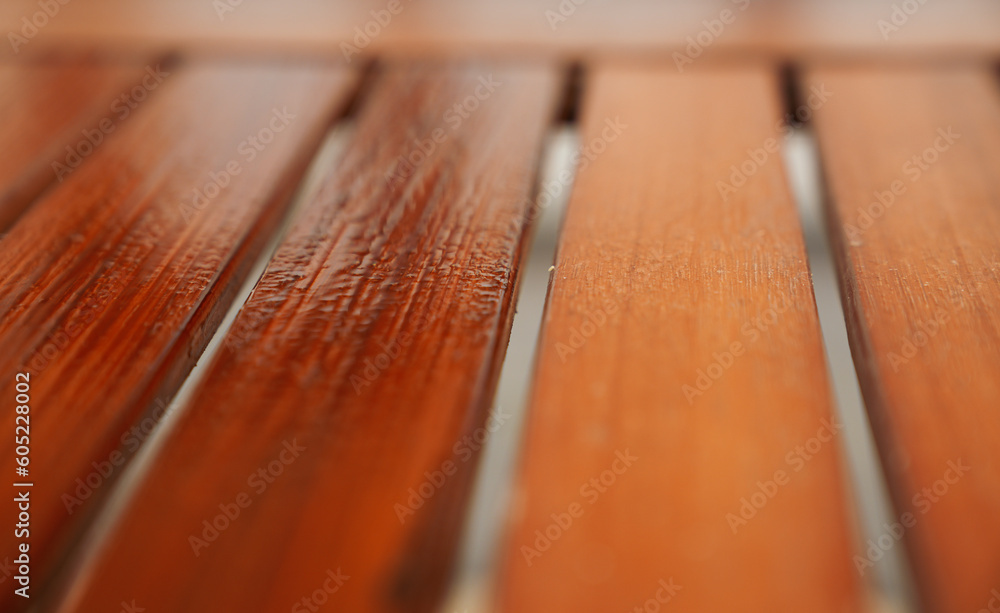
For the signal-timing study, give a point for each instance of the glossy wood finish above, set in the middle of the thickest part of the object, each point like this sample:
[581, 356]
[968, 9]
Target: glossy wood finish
[49, 105]
[680, 372]
[114, 282]
[370, 347]
[911, 160]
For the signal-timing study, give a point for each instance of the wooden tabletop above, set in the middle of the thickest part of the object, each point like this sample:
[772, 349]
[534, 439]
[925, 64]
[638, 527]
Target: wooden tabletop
[682, 449]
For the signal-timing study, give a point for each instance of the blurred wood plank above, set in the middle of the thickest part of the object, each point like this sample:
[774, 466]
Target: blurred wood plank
[911, 159]
[649, 28]
[681, 444]
[49, 105]
[114, 281]
[367, 353]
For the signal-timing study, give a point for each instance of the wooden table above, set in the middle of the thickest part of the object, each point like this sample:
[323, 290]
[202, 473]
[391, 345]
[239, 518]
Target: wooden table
[682, 450]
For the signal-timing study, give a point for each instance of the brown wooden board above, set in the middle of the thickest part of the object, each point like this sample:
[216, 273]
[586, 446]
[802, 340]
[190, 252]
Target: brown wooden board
[54, 111]
[911, 159]
[681, 449]
[691, 29]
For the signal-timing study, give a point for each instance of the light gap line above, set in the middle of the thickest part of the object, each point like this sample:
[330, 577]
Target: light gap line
[890, 582]
[481, 544]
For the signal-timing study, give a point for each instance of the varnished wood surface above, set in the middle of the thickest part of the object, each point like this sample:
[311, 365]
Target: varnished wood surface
[114, 282]
[634, 469]
[49, 105]
[371, 346]
[911, 159]
[371, 349]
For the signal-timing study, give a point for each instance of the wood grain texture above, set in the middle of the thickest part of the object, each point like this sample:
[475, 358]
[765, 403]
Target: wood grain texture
[113, 283]
[47, 106]
[680, 372]
[911, 160]
[371, 346]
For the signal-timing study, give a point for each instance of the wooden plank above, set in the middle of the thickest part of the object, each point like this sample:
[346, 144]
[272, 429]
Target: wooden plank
[730, 28]
[911, 158]
[680, 376]
[49, 105]
[114, 282]
[371, 346]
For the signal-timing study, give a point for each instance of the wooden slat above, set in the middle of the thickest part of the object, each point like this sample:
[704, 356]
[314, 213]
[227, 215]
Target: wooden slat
[697, 29]
[46, 107]
[371, 345]
[648, 428]
[911, 159]
[113, 283]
